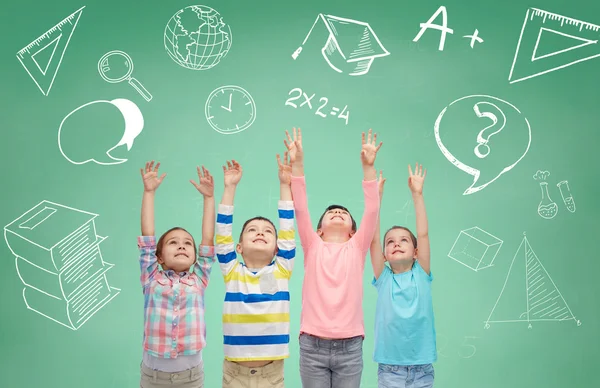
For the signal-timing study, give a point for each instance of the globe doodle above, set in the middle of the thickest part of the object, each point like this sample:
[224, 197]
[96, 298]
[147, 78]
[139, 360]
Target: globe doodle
[197, 38]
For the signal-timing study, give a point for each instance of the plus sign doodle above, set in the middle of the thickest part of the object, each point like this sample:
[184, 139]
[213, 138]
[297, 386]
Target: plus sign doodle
[408, 210]
[273, 199]
[443, 29]
[474, 38]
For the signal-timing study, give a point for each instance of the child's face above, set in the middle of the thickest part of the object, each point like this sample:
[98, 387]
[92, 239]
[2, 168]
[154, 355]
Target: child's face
[336, 219]
[177, 251]
[399, 246]
[258, 240]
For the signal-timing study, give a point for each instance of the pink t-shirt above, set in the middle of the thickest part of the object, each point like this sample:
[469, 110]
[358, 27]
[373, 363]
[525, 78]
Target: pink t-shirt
[332, 291]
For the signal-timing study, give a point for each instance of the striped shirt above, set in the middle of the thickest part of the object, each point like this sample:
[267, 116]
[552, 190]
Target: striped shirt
[256, 312]
[173, 303]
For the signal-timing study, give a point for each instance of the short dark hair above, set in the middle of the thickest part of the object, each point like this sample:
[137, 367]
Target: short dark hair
[331, 207]
[260, 219]
[412, 236]
[161, 242]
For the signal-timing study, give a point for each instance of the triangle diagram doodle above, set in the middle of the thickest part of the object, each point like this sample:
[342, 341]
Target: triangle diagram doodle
[553, 38]
[529, 294]
[42, 57]
[550, 42]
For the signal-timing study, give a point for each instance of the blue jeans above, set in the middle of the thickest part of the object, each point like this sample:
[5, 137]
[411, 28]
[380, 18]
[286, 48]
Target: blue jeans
[334, 363]
[400, 376]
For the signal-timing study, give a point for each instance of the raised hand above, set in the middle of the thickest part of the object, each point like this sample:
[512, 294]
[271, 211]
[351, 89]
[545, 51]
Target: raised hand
[285, 169]
[150, 176]
[232, 173]
[369, 148]
[416, 180]
[206, 185]
[294, 146]
[380, 183]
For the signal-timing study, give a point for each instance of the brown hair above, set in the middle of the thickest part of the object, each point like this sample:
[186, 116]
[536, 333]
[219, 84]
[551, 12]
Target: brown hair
[412, 236]
[161, 242]
[331, 207]
[260, 219]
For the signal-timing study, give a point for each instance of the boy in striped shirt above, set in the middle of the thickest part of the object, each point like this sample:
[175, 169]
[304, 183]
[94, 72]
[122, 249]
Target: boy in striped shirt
[256, 312]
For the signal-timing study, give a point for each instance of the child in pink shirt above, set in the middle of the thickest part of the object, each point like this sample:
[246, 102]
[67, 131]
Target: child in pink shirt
[332, 328]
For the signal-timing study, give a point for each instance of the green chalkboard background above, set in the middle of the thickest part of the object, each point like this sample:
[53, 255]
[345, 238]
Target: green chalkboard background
[400, 97]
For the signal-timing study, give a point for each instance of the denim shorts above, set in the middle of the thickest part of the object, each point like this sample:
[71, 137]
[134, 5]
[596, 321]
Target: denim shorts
[405, 376]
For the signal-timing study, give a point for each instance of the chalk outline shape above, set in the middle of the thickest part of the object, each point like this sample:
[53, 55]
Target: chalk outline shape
[409, 208]
[106, 266]
[536, 12]
[43, 37]
[491, 264]
[137, 85]
[172, 33]
[546, 194]
[468, 169]
[527, 293]
[332, 39]
[120, 143]
[542, 29]
[560, 188]
[238, 129]
[541, 176]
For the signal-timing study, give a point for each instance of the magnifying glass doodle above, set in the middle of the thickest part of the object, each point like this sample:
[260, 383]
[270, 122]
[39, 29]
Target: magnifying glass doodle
[116, 66]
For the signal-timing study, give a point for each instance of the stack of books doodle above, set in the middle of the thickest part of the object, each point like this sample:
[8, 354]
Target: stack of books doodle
[59, 261]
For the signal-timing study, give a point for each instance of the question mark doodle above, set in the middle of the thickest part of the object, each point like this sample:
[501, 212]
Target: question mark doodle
[481, 140]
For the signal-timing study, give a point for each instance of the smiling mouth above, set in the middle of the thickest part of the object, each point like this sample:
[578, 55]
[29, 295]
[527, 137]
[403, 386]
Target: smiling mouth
[181, 254]
[340, 217]
[260, 240]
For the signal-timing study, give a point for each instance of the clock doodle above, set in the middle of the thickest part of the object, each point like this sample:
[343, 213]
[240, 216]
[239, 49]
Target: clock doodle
[230, 109]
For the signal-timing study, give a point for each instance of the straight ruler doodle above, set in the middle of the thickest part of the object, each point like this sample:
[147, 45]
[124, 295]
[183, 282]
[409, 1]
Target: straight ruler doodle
[550, 42]
[55, 41]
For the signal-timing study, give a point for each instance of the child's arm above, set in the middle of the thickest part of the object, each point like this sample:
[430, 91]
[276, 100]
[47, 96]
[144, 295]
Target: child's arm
[225, 247]
[368, 223]
[285, 177]
[415, 183]
[377, 258]
[298, 185]
[286, 240]
[147, 241]
[151, 183]
[206, 250]
[206, 187]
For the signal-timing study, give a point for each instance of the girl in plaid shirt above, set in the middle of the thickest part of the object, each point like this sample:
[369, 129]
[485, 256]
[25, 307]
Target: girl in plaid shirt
[174, 328]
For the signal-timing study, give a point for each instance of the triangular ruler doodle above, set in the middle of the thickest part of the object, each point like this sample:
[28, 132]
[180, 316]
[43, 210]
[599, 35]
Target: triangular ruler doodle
[529, 294]
[42, 57]
[550, 42]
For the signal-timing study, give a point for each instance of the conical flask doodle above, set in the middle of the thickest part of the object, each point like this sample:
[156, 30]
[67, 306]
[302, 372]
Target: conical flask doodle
[547, 208]
[567, 197]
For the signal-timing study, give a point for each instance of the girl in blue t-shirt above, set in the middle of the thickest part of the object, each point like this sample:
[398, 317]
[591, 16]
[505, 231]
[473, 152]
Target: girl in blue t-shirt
[405, 345]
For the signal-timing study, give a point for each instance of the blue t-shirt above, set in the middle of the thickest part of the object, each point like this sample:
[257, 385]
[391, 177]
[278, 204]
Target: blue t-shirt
[404, 322]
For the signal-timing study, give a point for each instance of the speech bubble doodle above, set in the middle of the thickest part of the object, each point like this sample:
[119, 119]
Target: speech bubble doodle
[133, 123]
[481, 148]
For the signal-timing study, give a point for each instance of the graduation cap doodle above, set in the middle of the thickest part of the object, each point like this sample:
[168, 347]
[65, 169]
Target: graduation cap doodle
[352, 44]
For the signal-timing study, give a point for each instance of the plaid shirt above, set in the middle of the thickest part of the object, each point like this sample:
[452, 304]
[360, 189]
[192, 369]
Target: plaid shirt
[173, 303]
